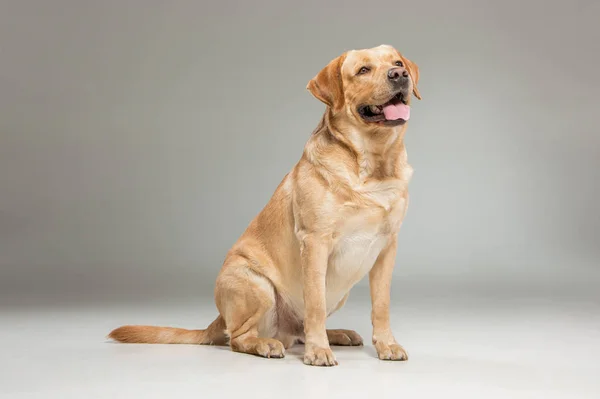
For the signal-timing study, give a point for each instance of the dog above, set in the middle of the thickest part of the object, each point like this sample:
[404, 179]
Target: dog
[332, 220]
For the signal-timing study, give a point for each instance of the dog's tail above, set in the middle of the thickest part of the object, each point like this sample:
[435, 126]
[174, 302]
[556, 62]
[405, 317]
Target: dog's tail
[213, 335]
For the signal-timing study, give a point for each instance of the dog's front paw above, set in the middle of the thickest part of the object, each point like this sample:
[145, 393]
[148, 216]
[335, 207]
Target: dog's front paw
[316, 356]
[390, 352]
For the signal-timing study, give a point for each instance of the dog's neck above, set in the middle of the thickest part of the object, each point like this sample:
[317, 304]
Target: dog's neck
[372, 153]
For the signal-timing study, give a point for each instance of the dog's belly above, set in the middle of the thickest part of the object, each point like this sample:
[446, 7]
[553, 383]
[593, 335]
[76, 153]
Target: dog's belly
[352, 258]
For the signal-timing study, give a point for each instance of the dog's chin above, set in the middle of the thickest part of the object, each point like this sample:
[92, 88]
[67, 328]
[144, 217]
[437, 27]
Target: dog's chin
[394, 123]
[383, 123]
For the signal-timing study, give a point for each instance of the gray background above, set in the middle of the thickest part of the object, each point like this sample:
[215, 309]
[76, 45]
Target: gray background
[138, 138]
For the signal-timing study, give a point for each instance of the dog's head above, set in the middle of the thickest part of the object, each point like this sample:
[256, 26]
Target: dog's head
[370, 87]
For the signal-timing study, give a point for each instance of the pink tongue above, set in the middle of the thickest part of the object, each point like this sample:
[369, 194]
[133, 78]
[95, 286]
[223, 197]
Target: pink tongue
[393, 112]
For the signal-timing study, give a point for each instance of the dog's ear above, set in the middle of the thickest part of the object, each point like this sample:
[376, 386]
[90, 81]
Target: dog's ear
[327, 85]
[413, 71]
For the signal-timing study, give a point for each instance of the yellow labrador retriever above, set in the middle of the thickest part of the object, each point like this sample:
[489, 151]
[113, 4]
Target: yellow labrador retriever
[333, 219]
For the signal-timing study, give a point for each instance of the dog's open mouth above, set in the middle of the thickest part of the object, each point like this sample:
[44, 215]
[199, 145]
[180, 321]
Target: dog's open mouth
[394, 112]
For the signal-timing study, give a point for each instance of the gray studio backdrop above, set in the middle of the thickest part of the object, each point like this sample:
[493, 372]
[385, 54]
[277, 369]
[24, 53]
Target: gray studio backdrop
[139, 137]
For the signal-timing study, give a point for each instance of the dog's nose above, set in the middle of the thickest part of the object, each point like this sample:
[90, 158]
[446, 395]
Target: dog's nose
[396, 74]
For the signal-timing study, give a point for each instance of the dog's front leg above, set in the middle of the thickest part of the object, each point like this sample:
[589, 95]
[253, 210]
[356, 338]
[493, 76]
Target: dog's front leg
[380, 279]
[314, 253]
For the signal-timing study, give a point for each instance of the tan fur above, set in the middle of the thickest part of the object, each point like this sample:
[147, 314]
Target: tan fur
[333, 219]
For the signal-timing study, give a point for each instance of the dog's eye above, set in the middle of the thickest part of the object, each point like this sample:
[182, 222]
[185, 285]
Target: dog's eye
[362, 71]
[399, 63]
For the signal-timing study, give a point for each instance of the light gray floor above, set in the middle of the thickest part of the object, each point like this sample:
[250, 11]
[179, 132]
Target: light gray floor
[479, 346]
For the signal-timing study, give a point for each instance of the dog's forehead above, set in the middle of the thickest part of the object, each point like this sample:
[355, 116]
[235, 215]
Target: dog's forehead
[381, 53]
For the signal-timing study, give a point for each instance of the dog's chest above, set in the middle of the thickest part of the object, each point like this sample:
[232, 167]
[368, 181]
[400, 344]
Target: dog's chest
[361, 238]
[352, 258]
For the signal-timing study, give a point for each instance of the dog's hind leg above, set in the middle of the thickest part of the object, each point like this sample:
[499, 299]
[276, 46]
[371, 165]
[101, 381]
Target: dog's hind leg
[246, 301]
[343, 337]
